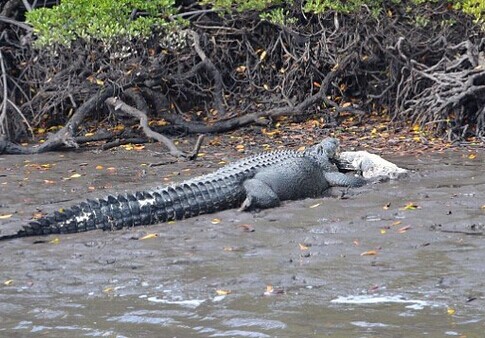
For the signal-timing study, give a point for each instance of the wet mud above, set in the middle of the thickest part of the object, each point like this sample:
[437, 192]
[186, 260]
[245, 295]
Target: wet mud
[395, 259]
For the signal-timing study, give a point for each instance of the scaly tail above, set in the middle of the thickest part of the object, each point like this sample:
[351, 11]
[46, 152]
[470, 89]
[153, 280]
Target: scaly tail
[190, 198]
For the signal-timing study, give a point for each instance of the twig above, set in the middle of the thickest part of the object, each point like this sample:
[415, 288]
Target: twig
[118, 105]
[218, 83]
[16, 23]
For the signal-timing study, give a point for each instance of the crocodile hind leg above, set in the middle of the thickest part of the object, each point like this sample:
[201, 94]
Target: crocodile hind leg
[259, 195]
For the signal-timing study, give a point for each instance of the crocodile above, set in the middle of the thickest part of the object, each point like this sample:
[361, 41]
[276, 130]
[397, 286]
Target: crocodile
[295, 178]
[216, 191]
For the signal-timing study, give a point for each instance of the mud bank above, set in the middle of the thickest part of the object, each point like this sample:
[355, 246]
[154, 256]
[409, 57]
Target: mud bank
[401, 258]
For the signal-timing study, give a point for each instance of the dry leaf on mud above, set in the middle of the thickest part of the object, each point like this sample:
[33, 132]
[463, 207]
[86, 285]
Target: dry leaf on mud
[387, 206]
[37, 215]
[403, 229]
[314, 205]
[411, 206]
[270, 291]
[55, 241]
[215, 221]
[73, 176]
[396, 223]
[223, 292]
[472, 156]
[303, 247]
[5, 216]
[450, 311]
[8, 282]
[369, 253]
[247, 227]
[49, 181]
[149, 236]
[99, 167]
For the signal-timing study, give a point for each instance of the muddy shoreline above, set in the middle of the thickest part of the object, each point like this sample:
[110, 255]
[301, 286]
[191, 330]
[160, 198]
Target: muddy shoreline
[397, 258]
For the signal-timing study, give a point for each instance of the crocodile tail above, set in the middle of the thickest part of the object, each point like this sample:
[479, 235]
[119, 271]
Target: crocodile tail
[176, 202]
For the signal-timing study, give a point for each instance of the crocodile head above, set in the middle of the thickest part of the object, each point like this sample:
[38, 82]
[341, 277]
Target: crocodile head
[329, 147]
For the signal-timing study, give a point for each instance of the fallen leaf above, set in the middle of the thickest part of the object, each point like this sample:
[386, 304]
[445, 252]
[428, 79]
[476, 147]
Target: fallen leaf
[270, 133]
[270, 291]
[216, 221]
[111, 169]
[37, 215]
[450, 311]
[99, 167]
[223, 292]
[49, 182]
[8, 282]
[55, 241]
[369, 253]
[356, 243]
[228, 248]
[241, 69]
[5, 216]
[314, 205]
[108, 289]
[396, 223]
[403, 229]
[472, 156]
[383, 231]
[139, 147]
[149, 236]
[75, 175]
[303, 247]
[387, 206]
[247, 227]
[410, 206]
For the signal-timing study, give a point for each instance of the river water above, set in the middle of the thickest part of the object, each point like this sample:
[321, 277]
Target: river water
[395, 259]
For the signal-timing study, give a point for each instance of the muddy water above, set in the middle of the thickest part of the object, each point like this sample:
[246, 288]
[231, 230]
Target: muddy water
[359, 266]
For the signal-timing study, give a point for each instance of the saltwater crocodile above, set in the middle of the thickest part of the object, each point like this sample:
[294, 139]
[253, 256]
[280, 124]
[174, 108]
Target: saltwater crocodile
[222, 189]
[295, 178]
